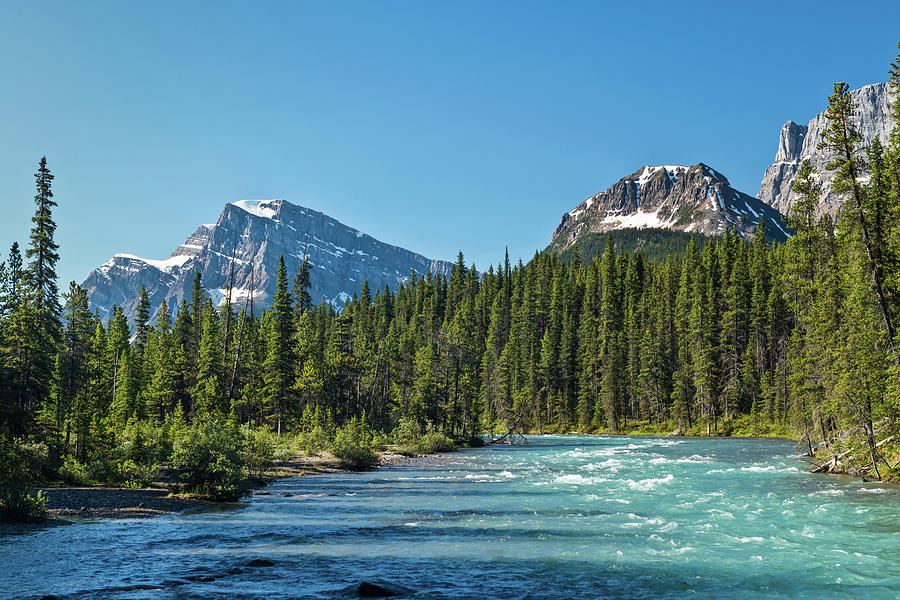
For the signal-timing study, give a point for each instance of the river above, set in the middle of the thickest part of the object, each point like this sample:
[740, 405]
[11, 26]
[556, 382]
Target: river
[560, 517]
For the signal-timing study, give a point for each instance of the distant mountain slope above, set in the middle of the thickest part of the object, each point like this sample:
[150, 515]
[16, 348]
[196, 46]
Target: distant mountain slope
[258, 231]
[797, 143]
[678, 198]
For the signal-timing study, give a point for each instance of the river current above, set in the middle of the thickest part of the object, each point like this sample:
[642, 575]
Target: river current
[560, 517]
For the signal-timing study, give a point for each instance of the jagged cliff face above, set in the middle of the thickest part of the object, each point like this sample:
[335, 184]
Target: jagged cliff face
[799, 142]
[257, 232]
[680, 198]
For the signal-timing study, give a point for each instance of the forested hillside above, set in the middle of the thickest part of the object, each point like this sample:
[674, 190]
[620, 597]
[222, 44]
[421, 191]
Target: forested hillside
[654, 244]
[797, 337]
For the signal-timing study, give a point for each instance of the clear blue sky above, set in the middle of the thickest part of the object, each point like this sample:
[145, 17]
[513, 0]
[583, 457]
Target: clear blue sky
[434, 126]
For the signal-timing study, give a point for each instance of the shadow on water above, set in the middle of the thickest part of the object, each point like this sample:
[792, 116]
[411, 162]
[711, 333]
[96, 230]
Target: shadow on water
[546, 579]
[219, 508]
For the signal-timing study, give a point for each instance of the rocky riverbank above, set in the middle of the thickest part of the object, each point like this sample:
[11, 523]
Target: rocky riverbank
[85, 503]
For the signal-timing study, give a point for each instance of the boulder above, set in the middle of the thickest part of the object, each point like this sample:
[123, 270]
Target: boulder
[260, 562]
[367, 589]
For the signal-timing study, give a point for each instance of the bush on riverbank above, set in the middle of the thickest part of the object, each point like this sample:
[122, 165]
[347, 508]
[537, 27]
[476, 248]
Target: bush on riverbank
[354, 445]
[313, 441]
[17, 503]
[410, 439]
[259, 449]
[209, 456]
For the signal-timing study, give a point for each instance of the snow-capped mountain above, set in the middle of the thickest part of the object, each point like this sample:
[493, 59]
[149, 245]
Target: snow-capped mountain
[257, 232]
[680, 198]
[797, 143]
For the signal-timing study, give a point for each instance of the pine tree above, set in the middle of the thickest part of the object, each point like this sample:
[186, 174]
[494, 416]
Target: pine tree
[843, 140]
[198, 294]
[279, 364]
[42, 297]
[302, 285]
[16, 323]
[163, 384]
[590, 410]
[209, 389]
[611, 325]
[42, 255]
[69, 404]
[141, 333]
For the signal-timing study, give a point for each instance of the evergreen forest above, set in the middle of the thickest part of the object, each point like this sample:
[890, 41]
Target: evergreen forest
[724, 336]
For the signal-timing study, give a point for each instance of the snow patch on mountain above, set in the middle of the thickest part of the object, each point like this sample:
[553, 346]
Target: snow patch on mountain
[173, 262]
[638, 220]
[248, 240]
[260, 208]
[696, 198]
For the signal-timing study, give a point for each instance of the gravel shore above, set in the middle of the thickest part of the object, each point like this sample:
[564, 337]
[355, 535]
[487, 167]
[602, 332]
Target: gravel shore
[75, 503]
[113, 503]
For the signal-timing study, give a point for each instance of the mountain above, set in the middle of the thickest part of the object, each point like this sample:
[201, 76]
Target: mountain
[797, 143]
[688, 199]
[257, 232]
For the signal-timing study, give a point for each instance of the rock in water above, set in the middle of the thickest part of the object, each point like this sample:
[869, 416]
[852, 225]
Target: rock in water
[367, 589]
[260, 562]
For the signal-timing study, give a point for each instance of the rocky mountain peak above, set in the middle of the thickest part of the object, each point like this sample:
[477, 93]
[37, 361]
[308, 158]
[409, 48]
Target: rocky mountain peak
[797, 143]
[696, 198]
[255, 233]
[790, 142]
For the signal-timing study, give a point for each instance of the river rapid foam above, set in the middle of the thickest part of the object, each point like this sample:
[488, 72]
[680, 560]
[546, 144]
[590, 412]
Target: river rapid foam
[559, 517]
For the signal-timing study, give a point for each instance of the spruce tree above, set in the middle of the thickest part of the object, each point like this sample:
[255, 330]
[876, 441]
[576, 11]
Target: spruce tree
[842, 140]
[42, 296]
[209, 389]
[42, 255]
[279, 363]
[302, 285]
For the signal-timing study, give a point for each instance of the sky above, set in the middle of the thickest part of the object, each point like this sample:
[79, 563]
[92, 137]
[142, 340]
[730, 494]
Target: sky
[438, 127]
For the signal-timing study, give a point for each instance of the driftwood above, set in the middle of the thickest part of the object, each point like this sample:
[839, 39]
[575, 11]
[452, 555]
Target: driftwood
[835, 459]
[512, 436]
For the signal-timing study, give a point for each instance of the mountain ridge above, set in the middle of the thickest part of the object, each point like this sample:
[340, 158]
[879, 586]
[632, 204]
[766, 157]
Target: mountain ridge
[697, 198]
[257, 232]
[797, 143]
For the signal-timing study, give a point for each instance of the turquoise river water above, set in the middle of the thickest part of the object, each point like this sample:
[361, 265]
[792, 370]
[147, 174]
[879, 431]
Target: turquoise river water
[560, 517]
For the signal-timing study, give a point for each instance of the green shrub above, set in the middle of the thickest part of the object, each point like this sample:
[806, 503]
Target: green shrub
[144, 443]
[436, 441]
[354, 446]
[135, 475]
[259, 449]
[19, 505]
[209, 456]
[313, 442]
[34, 458]
[74, 472]
[285, 452]
[406, 435]
[103, 470]
[409, 439]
